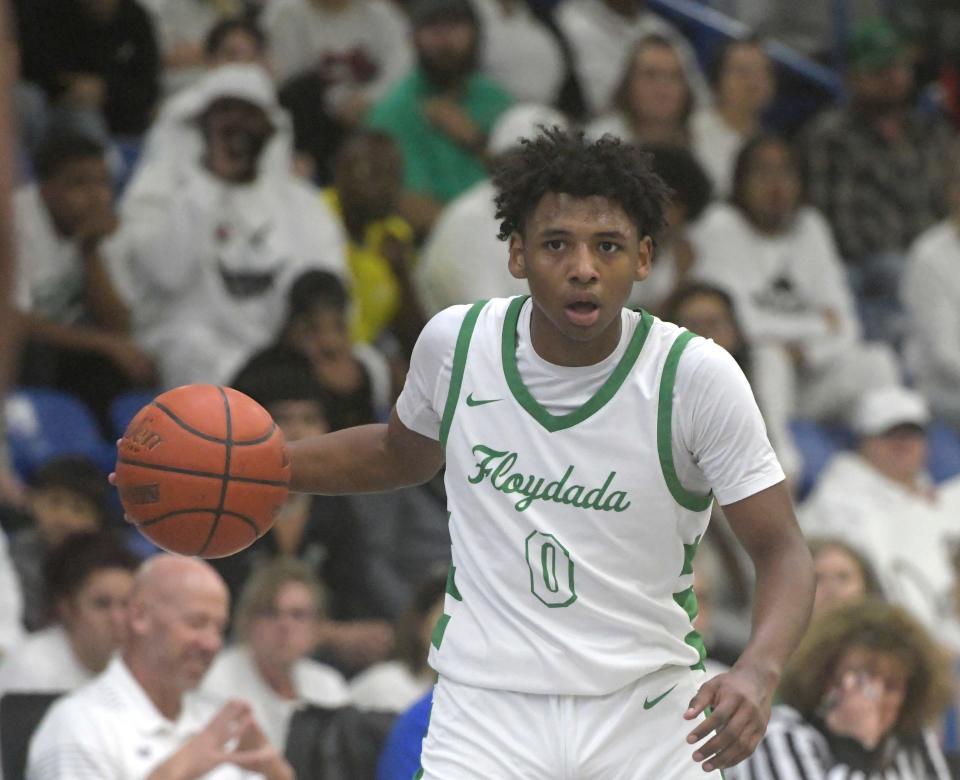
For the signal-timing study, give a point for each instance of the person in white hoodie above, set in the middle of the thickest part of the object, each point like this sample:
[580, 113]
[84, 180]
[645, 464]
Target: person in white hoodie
[881, 499]
[778, 260]
[215, 227]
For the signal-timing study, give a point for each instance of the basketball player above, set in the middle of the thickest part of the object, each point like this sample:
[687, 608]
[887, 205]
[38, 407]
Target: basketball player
[584, 446]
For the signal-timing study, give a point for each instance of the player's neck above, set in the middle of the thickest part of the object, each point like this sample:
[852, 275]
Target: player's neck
[560, 350]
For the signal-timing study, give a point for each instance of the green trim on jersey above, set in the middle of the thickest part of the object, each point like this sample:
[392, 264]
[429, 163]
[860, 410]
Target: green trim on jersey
[687, 600]
[688, 500]
[452, 583]
[599, 399]
[459, 363]
[437, 636]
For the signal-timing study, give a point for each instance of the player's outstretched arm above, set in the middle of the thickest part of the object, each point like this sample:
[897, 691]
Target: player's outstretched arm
[364, 459]
[741, 698]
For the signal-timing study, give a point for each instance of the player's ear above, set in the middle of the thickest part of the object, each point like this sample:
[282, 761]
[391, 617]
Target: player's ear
[644, 259]
[517, 263]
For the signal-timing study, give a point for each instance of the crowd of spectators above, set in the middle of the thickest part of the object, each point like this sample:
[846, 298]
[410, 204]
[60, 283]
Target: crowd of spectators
[277, 195]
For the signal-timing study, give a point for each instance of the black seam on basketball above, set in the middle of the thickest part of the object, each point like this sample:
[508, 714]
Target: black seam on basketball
[228, 451]
[178, 512]
[187, 427]
[248, 520]
[207, 437]
[204, 474]
[174, 513]
[259, 439]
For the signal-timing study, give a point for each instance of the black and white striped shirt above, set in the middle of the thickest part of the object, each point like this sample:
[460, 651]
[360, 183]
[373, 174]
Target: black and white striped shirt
[795, 749]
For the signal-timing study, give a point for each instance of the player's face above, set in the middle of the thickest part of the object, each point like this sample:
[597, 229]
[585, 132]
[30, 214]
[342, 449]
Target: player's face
[839, 579]
[580, 257]
[78, 192]
[96, 617]
[288, 631]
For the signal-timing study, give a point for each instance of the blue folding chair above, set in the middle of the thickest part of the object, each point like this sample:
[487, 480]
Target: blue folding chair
[817, 444]
[943, 451]
[43, 423]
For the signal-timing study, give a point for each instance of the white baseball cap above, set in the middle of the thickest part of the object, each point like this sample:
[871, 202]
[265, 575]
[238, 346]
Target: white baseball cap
[884, 408]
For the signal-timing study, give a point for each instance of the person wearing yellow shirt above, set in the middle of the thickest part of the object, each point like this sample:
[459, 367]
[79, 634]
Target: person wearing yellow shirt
[367, 183]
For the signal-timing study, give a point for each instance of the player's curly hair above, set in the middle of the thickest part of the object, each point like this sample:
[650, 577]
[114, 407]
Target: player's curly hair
[566, 162]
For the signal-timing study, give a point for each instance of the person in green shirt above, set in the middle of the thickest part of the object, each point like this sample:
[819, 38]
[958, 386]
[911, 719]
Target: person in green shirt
[441, 112]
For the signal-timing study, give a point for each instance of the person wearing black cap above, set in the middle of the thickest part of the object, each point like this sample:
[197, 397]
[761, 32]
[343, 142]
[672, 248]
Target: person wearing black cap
[440, 113]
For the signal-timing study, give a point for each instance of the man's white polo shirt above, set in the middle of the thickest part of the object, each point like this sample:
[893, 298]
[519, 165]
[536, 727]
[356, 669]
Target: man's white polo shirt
[110, 730]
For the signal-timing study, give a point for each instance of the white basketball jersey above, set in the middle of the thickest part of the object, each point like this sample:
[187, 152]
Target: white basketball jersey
[572, 538]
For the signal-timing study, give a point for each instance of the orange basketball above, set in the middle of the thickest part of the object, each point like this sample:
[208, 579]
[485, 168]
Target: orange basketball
[202, 470]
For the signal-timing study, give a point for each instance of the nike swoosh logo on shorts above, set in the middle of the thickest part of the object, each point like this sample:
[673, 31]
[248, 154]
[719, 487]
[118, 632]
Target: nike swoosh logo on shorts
[649, 703]
[471, 401]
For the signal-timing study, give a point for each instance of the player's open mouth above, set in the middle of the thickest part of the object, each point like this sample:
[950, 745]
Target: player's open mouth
[584, 314]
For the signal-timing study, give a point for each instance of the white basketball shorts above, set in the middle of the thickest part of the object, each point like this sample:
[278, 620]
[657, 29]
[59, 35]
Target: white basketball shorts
[635, 733]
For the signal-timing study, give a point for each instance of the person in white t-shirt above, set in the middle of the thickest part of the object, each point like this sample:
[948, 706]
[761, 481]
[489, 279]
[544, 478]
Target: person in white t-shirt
[584, 445]
[142, 716]
[213, 239]
[881, 499]
[744, 85]
[395, 685]
[278, 622]
[778, 260]
[89, 578]
[78, 336]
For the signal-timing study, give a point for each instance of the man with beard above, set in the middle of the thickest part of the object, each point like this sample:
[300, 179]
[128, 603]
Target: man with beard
[441, 113]
[215, 230]
[141, 717]
[876, 168]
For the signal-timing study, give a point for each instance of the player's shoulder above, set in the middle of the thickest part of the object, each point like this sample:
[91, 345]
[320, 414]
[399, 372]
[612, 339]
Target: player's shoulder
[443, 328]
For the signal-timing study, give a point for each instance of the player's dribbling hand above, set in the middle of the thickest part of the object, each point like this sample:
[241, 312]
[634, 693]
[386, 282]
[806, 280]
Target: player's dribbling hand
[740, 700]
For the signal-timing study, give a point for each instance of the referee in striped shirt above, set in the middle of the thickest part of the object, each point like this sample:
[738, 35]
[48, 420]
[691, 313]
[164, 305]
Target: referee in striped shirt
[856, 702]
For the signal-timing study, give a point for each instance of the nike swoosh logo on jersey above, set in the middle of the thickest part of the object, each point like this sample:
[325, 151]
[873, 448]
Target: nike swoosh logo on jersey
[649, 703]
[471, 401]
